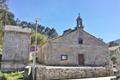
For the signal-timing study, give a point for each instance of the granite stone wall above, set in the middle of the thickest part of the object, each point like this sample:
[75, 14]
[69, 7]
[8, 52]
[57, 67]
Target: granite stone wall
[60, 73]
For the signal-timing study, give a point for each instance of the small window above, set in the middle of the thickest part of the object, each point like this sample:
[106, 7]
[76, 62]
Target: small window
[80, 41]
[64, 57]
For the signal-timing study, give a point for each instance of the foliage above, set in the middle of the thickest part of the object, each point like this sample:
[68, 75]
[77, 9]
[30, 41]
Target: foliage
[112, 43]
[67, 31]
[1, 50]
[6, 17]
[49, 32]
[113, 59]
[41, 39]
[11, 76]
[113, 56]
[1, 40]
[3, 4]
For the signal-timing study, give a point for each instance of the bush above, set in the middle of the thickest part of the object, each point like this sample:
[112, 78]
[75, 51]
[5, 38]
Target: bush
[11, 76]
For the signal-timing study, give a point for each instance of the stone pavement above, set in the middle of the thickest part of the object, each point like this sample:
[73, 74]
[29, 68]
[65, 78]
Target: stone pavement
[99, 78]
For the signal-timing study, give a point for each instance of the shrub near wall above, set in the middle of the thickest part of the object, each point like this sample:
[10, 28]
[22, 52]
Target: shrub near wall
[11, 76]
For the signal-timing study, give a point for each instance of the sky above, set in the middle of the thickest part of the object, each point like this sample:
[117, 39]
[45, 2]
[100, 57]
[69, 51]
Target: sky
[101, 18]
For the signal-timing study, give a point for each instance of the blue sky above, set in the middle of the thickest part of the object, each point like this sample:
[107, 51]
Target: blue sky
[101, 18]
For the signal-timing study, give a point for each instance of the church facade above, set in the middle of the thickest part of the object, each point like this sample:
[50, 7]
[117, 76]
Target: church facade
[74, 48]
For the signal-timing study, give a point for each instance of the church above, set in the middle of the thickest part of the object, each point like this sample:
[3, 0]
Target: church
[74, 48]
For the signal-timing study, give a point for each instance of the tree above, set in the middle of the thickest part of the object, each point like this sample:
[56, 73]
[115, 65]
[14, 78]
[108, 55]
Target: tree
[18, 22]
[53, 33]
[41, 28]
[3, 4]
[47, 30]
[3, 7]
[50, 33]
[41, 39]
[6, 17]
[24, 24]
[112, 43]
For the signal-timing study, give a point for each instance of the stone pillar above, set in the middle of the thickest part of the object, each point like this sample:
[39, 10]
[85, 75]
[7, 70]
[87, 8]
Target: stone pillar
[16, 47]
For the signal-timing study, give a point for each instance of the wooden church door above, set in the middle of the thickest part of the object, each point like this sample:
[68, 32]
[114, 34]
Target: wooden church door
[81, 59]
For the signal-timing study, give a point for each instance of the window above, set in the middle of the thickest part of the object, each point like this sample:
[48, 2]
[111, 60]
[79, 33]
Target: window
[64, 57]
[80, 41]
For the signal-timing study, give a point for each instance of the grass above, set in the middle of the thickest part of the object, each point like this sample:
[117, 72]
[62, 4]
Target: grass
[11, 76]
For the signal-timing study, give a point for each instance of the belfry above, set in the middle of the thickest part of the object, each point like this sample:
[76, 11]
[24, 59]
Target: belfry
[79, 22]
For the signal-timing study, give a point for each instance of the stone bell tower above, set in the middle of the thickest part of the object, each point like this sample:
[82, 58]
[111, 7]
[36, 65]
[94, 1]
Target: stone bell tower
[79, 22]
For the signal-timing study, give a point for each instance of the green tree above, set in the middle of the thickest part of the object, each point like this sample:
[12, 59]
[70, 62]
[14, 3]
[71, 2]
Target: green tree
[51, 33]
[41, 39]
[6, 17]
[112, 43]
[3, 4]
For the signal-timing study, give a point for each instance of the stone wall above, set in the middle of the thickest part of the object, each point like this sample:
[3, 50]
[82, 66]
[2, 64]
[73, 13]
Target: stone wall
[51, 73]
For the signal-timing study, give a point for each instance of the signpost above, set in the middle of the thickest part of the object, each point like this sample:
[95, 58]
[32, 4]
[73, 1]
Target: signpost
[34, 55]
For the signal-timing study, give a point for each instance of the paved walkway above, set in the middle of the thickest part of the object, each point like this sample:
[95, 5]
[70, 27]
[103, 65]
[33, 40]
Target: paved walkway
[99, 78]
[64, 67]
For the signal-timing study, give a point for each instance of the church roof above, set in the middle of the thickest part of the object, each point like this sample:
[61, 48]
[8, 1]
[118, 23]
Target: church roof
[75, 30]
